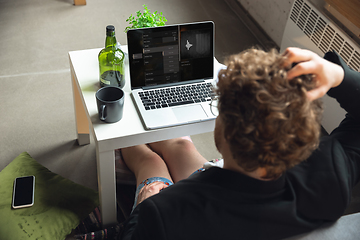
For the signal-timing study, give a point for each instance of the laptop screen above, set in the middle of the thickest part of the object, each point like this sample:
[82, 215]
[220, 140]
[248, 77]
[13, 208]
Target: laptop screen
[171, 54]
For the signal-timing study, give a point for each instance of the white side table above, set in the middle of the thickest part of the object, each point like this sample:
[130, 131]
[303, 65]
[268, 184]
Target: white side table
[129, 131]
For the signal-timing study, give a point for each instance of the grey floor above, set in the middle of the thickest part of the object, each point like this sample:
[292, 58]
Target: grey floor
[36, 101]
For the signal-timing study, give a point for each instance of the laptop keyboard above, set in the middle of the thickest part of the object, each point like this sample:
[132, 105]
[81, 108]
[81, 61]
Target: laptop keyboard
[175, 96]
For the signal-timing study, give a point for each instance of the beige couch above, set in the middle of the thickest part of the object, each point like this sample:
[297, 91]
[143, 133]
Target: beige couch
[346, 228]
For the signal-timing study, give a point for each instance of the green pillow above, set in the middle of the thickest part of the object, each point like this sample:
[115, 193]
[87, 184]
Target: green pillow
[59, 204]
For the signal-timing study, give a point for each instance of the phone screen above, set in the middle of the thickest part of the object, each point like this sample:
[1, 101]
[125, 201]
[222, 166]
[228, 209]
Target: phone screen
[24, 192]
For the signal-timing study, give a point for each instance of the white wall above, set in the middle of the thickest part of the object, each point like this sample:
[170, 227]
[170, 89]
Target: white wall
[271, 15]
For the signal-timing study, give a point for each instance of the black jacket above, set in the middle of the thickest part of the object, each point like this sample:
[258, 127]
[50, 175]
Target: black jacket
[222, 204]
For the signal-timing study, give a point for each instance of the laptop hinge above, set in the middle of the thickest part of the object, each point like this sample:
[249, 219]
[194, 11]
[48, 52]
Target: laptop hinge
[173, 84]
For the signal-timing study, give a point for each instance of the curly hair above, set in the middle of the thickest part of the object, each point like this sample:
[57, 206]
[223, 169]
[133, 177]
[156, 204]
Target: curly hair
[268, 120]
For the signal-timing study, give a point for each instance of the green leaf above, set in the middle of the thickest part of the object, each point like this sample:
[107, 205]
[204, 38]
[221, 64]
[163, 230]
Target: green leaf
[145, 19]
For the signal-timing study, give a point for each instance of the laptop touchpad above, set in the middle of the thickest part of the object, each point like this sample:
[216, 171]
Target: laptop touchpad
[191, 113]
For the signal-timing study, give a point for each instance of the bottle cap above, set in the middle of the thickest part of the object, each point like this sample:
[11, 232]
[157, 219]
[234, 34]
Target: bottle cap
[110, 28]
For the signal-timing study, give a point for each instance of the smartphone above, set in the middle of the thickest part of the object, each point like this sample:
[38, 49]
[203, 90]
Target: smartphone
[24, 190]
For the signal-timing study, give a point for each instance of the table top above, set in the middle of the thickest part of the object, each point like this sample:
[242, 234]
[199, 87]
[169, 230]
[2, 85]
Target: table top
[129, 130]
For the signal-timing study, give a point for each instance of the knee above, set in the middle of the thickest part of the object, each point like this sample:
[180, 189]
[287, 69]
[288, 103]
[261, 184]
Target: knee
[136, 157]
[183, 144]
[171, 147]
[180, 145]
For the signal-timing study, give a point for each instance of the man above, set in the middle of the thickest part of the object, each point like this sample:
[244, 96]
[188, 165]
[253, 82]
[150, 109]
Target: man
[278, 180]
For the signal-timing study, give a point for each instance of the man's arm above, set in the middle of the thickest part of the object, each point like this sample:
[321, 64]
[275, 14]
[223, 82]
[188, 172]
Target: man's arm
[338, 158]
[348, 132]
[348, 92]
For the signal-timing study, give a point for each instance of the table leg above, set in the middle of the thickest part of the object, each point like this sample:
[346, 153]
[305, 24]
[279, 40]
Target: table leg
[107, 186]
[82, 124]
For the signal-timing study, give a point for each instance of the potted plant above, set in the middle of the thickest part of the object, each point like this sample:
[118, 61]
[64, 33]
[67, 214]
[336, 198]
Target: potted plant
[145, 19]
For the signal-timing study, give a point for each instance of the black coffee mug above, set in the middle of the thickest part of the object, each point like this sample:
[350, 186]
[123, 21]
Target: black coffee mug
[110, 103]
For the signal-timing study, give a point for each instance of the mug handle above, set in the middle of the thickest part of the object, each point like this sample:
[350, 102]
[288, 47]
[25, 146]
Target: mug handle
[102, 112]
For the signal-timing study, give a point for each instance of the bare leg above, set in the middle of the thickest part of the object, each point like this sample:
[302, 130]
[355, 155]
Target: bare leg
[144, 163]
[181, 157]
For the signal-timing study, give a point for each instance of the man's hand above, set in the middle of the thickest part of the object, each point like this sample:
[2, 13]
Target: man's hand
[150, 190]
[327, 74]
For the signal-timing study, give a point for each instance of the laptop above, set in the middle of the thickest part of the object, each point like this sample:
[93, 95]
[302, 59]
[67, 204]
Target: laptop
[172, 73]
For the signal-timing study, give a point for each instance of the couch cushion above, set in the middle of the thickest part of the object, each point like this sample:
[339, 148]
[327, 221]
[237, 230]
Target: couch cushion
[59, 204]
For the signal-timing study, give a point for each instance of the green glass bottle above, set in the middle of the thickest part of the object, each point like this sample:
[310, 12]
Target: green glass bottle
[111, 61]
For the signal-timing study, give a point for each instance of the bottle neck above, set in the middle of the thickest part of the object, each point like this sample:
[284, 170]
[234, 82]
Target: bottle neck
[110, 40]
